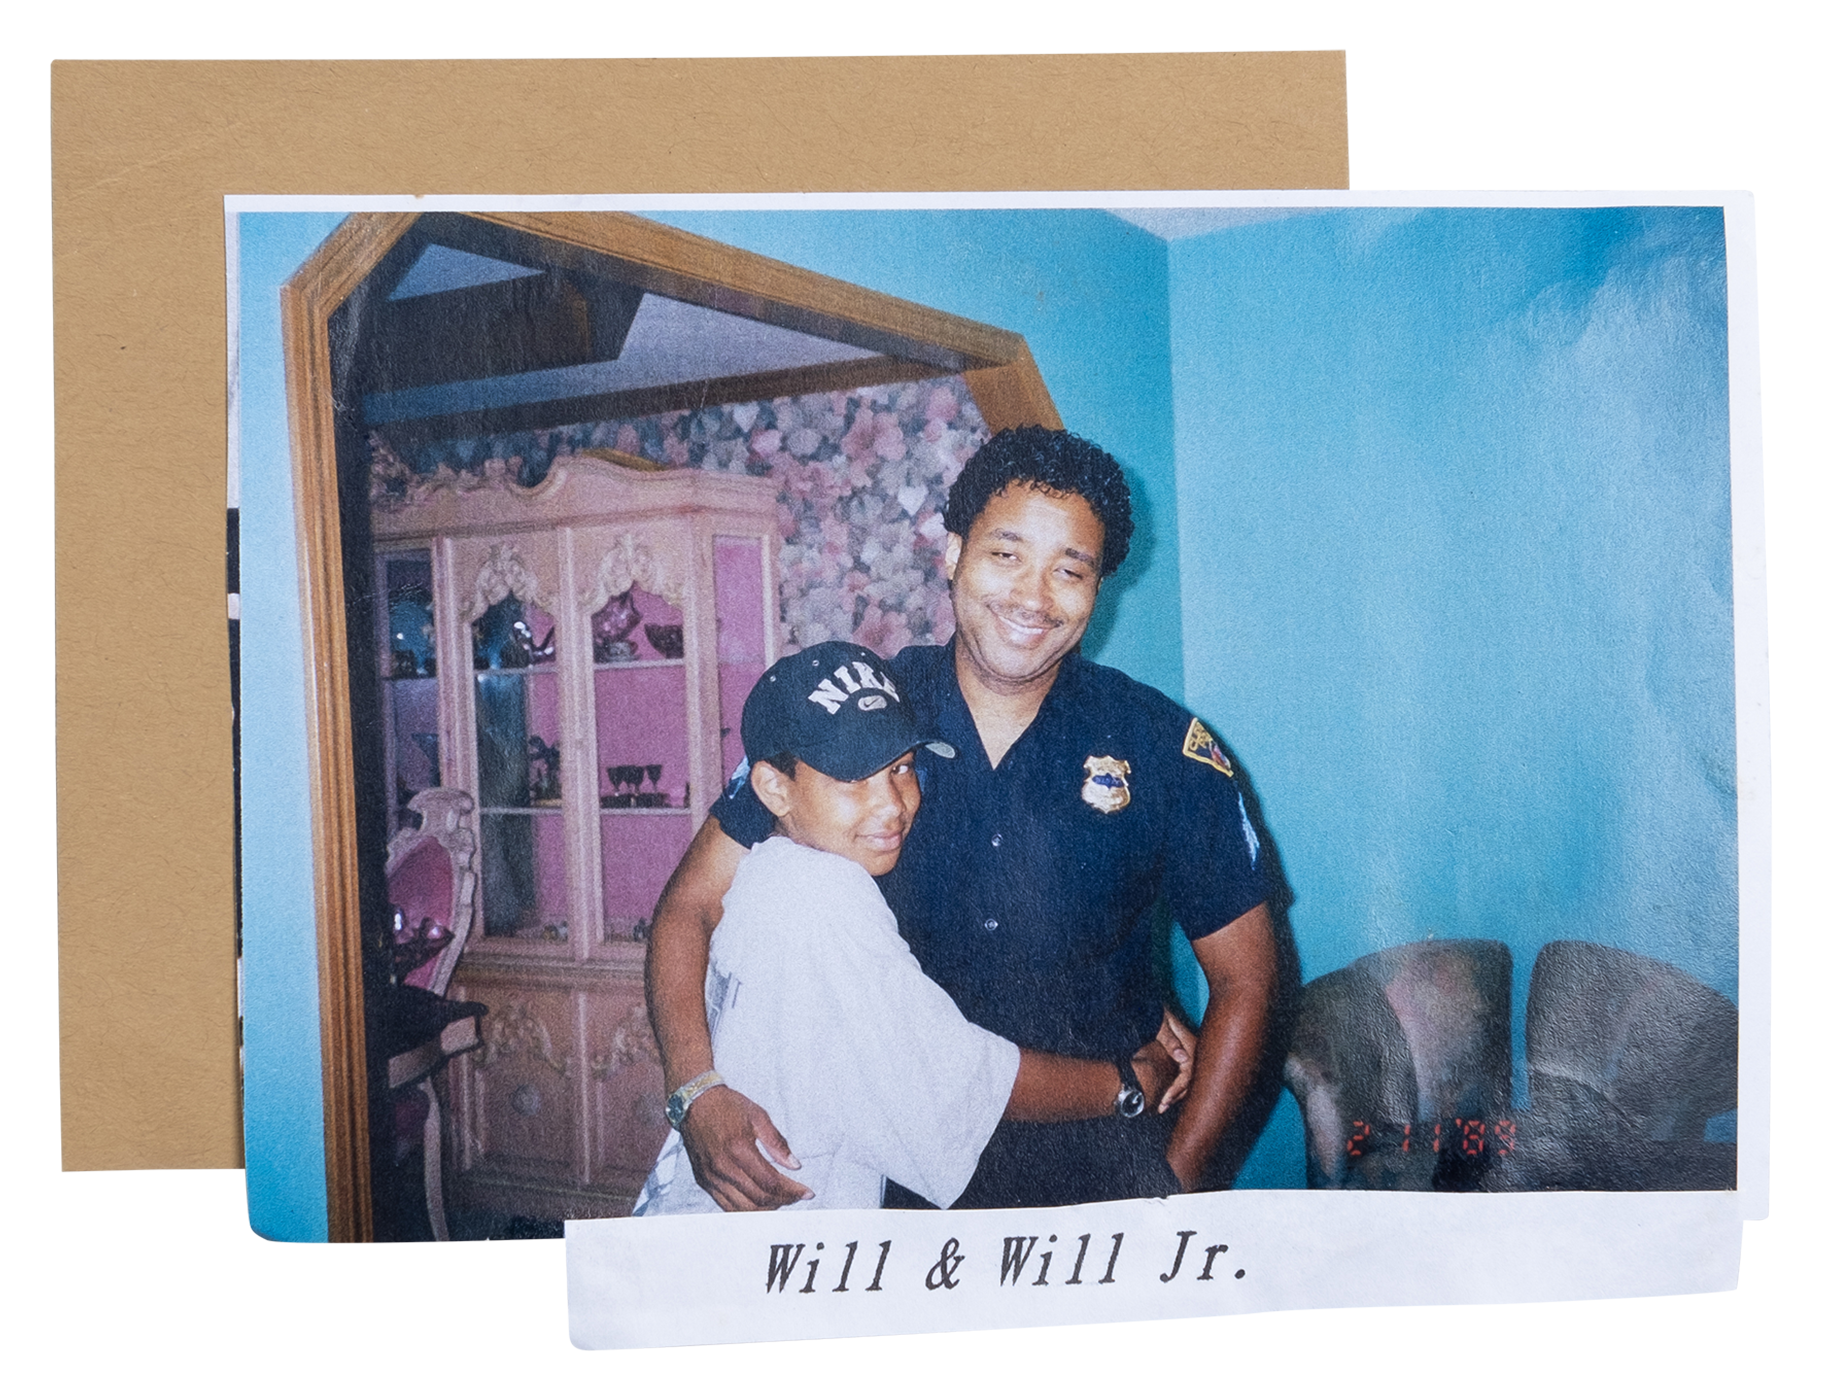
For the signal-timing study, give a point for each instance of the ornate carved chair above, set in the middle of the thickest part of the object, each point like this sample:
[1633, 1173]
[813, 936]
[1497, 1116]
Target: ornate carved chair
[432, 880]
[1401, 1065]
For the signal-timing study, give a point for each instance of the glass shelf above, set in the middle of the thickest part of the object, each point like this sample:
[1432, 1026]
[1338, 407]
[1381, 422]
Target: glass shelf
[616, 664]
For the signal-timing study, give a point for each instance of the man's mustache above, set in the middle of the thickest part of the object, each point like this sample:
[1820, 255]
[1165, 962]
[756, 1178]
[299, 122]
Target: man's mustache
[1025, 617]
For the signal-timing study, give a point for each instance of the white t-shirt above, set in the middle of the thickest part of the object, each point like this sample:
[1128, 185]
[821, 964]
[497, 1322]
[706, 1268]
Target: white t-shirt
[820, 1013]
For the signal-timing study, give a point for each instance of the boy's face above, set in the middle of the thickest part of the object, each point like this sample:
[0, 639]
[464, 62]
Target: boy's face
[865, 820]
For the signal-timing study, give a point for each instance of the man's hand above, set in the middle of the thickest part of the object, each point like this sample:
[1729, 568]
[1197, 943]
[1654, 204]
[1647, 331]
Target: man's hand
[723, 1132]
[1165, 1064]
[1179, 1043]
[1158, 1074]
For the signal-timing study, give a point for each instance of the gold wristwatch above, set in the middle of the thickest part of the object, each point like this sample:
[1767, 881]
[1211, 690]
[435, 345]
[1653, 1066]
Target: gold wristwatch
[687, 1093]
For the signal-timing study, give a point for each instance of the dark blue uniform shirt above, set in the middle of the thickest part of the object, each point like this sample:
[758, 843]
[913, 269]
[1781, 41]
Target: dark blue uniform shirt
[1027, 890]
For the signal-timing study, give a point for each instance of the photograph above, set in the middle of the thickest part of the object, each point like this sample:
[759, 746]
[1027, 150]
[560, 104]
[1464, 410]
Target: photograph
[1000, 704]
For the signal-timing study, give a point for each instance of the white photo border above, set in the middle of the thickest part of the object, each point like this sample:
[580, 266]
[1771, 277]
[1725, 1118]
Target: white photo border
[1557, 1237]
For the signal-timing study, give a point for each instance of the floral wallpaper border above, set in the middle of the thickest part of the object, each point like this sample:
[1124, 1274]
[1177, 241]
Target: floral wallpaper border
[861, 481]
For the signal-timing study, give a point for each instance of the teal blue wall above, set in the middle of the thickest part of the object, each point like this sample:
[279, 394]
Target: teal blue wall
[283, 1100]
[1455, 549]
[1088, 292]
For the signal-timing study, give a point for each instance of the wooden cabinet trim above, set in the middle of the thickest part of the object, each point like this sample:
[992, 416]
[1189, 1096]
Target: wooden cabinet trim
[1001, 376]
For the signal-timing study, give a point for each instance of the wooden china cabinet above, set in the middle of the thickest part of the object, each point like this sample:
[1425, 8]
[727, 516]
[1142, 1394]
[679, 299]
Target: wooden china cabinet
[574, 655]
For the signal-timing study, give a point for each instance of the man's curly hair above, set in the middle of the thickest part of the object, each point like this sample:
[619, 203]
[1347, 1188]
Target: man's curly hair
[1057, 462]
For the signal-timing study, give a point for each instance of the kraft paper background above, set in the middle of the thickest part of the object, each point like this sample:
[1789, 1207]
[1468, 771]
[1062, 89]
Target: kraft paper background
[143, 154]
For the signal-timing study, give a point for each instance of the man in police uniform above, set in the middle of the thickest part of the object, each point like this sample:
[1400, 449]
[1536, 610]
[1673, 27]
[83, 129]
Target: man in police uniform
[1028, 885]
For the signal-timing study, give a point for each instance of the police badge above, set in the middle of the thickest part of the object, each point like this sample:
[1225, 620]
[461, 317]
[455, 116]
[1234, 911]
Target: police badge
[1106, 788]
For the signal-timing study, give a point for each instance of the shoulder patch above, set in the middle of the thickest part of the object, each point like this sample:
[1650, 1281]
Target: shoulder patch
[1200, 746]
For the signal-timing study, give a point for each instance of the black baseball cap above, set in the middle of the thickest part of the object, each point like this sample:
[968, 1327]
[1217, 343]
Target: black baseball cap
[834, 706]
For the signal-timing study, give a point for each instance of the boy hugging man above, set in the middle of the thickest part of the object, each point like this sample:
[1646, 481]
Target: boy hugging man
[817, 1008]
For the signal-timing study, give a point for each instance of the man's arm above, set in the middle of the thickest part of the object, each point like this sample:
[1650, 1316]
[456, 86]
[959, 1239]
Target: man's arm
[1052, 1088]
[1240, 964]
[723, 1129]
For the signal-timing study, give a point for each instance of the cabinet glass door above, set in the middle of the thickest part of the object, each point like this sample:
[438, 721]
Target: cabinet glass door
[410, 683]
[640, 707]
[517, 702]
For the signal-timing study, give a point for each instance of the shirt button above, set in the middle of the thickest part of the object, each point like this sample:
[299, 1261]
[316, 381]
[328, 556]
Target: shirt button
[990, 924]
[996, 840]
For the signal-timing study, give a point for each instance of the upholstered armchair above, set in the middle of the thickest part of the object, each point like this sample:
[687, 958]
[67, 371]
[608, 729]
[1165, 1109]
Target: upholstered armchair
[1628, 1058]
[1401, 1065]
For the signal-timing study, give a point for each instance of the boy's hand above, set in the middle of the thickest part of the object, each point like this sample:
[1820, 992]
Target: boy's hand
[724, 1132]
[1180, 1045]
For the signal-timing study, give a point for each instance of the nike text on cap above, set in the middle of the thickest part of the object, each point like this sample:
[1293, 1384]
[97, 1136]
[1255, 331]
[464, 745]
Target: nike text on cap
[833, 706]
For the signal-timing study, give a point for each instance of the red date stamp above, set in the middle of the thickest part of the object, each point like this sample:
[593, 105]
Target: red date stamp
[1469, 1138]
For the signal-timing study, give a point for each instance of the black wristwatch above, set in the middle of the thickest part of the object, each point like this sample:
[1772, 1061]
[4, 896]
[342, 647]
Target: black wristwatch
[1131, 1102]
